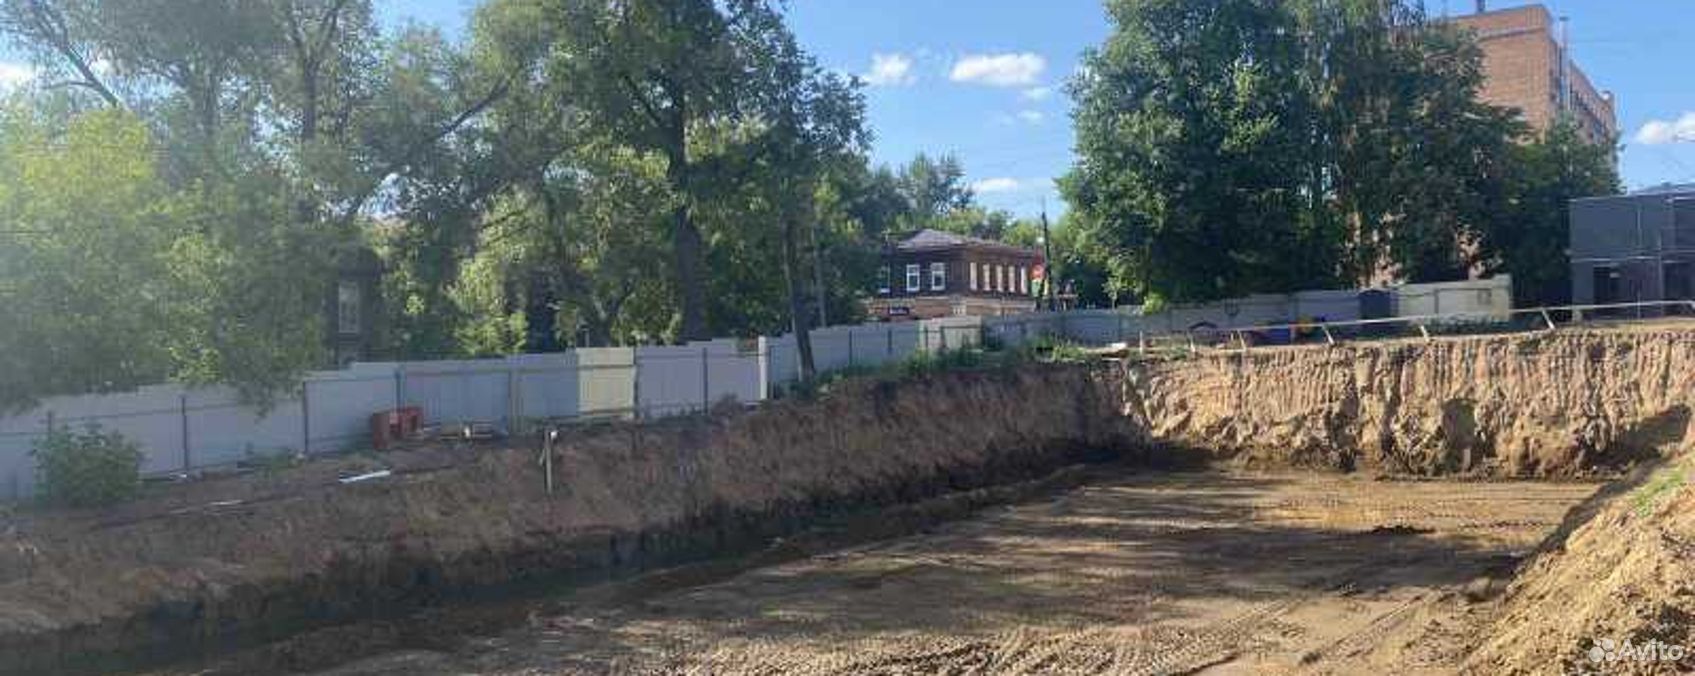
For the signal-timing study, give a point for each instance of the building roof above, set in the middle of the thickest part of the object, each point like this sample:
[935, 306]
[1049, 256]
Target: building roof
[930, 240]
[1666, 189]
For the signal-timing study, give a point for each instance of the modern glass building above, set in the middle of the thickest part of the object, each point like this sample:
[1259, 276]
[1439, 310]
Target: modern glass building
[1636, 247]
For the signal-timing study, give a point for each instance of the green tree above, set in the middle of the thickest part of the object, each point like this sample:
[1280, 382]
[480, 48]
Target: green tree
[1412, 164]
[1237, 146]
[119, 280]
[933, 188]
[1189, 120]
[83, 258]
[656, 75]
[1529, 240]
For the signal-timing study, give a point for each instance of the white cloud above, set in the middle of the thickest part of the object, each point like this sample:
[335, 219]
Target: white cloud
[1036, 93]
[994, 185]
[1026, 116]
[14, 74]
[1000, 70]
[1660, 132]
[890, 70]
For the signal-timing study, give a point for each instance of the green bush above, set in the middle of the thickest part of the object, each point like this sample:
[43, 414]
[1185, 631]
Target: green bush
[87, 469]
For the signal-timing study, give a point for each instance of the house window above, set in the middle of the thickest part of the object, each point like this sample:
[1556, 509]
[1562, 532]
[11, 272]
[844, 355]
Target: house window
[347, 308]
[883, 280]
[973, 275]
[1024, 280]
[913, 283]
[1683, 222]
[938, 276]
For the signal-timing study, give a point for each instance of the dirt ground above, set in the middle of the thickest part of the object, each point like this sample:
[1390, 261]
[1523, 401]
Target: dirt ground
[1213, 573]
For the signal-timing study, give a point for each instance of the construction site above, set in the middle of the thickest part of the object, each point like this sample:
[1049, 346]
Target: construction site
[1490, 504]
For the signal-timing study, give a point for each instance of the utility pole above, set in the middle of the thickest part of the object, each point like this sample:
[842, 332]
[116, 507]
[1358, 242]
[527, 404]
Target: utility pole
[1565, 64]
[1047, 258]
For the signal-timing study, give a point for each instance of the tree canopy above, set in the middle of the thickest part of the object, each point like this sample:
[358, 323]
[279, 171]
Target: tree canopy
[185, 179]
[1228, 147]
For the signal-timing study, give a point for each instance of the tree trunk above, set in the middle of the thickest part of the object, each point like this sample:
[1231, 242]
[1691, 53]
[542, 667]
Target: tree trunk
[308, 103]
[687, 247]
[797, 300]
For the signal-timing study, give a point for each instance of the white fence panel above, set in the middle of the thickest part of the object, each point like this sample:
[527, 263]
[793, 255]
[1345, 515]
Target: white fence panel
[874, 345]
[150, 416]
[453, 392]
[733, 371]
[1493, 296]
[1329, 306]
[339, 405]
[606, 381]
[1097, 327]
[1016, 330]
[951, 333]
[222, 431]
[832, 348]
[547, 385]
[672, 379]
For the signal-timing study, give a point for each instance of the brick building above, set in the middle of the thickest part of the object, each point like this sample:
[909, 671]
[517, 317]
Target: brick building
[939, 274]
[1526, 66]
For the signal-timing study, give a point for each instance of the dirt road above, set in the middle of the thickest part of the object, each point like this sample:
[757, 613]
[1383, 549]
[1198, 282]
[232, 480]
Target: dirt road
[1217, 573]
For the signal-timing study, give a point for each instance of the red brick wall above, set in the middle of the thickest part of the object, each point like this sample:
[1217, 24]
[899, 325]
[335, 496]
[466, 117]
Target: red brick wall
[1521, 63]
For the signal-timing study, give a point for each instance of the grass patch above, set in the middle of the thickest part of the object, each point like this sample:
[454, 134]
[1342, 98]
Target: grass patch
[1649, 497]
[988, 357]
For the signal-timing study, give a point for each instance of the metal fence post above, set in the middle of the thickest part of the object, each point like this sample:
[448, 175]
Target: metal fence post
[305, 418]
[705, 381]
[187, 460]
[889, 350]
[399, 386]
[513, 425]
[923, 337]
[636, 382]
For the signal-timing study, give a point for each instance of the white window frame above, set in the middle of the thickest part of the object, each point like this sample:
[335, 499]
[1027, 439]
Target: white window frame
[348, 313]
[883, 280]
[973, 275]
[914, 278]
[938, 276]
[1024, 280]
[1000, 278]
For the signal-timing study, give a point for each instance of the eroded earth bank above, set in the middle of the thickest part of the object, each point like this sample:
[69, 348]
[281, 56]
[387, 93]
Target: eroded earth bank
[1399, 506]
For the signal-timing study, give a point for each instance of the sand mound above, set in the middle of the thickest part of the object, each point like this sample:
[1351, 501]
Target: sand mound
[1616, 595]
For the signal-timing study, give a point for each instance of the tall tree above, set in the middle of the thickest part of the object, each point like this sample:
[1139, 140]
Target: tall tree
[654, 74]
[811, 119]
[1237, 146]
[1412, 163]
[1189, 120]
[1529, 239]
[57, 33]
[934, 188]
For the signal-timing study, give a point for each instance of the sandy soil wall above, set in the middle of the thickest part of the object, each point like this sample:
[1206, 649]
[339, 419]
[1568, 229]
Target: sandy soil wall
[1534, 405]
[193, 570]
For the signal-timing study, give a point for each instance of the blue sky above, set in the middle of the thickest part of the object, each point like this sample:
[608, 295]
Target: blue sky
[984, 78]
[1013, 141]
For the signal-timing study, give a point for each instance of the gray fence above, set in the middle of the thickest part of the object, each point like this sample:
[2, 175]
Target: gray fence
[182, 430]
